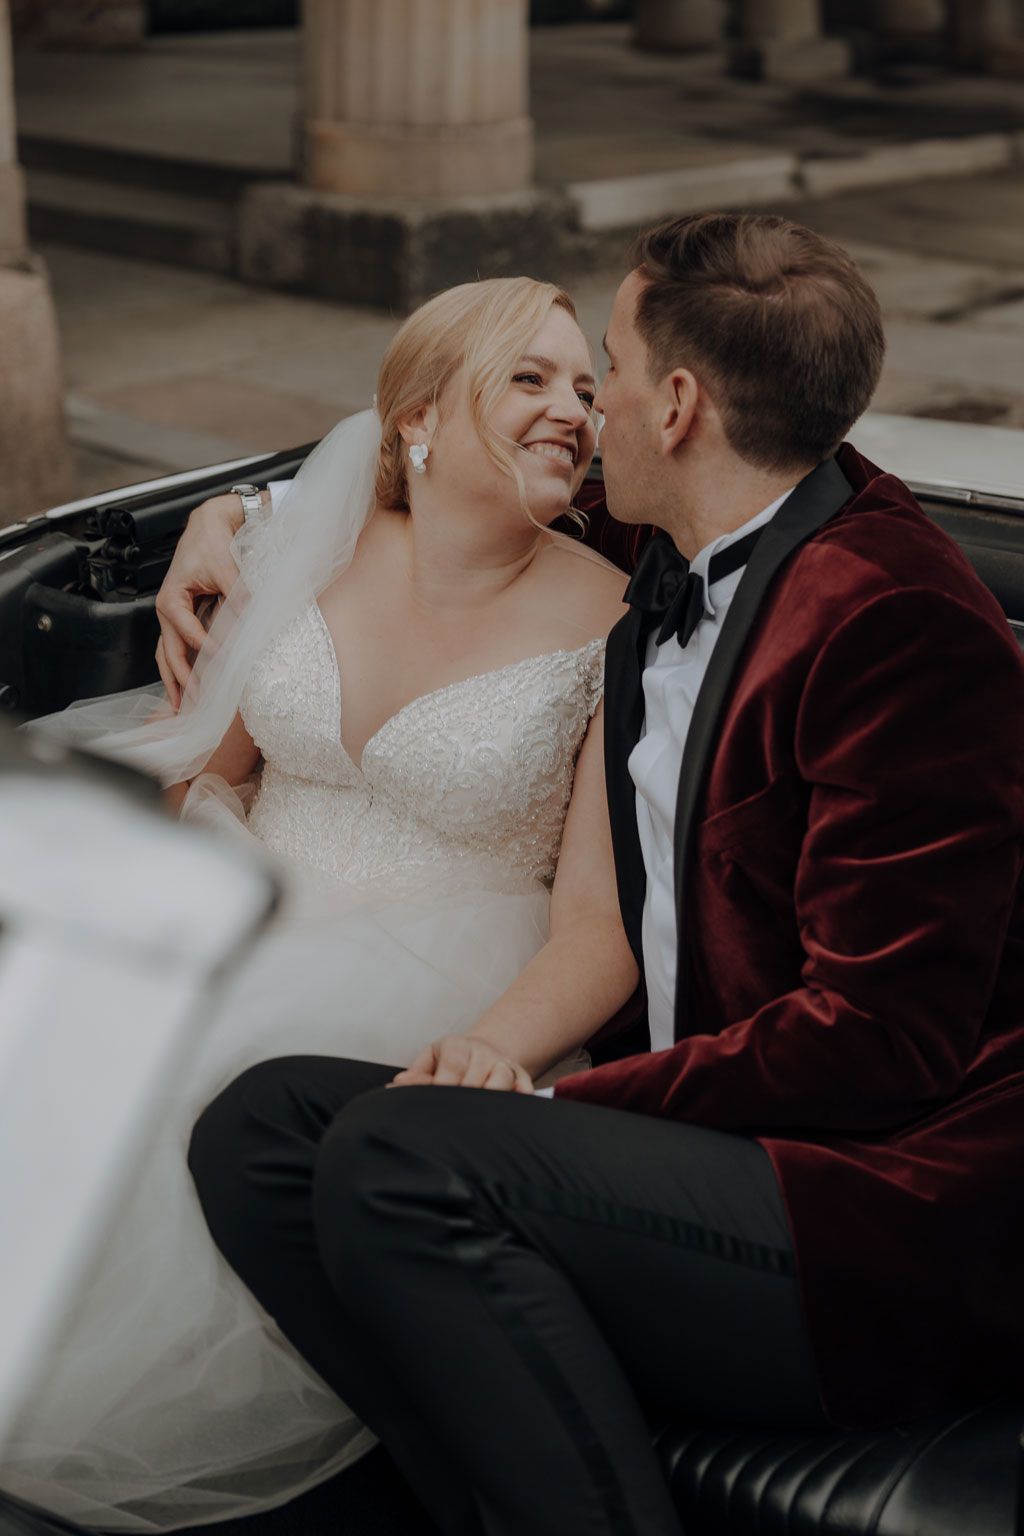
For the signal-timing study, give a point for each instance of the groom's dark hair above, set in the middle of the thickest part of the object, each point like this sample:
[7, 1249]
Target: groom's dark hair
[778, 323]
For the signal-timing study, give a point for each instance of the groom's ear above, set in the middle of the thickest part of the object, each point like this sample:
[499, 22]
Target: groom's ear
[680, 396]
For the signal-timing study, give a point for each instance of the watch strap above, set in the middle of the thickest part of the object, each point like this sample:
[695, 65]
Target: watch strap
[252, 502]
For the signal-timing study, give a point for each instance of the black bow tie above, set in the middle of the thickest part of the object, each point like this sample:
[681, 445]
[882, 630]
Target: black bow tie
[664, 588]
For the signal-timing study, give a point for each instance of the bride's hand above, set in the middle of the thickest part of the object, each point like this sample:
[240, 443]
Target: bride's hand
[466, 1062]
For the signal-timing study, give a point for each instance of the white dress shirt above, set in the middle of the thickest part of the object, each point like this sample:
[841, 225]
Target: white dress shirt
[672, 678]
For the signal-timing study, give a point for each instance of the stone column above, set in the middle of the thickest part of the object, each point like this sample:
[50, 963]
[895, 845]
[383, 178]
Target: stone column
[79, 23]
[908, 30]
[783, 40]
[417, 99]
[986, 35]
[909, 18]
[679, 25]
[13, 235]
[35, 460]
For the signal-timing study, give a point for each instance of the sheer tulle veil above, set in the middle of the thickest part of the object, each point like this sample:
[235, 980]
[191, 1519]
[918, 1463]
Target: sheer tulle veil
[286, 562]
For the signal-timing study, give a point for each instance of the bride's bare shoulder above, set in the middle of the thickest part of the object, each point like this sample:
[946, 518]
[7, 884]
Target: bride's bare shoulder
[587, 588]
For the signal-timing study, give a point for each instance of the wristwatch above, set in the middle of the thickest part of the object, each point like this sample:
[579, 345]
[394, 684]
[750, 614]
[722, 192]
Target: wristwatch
[252, 502]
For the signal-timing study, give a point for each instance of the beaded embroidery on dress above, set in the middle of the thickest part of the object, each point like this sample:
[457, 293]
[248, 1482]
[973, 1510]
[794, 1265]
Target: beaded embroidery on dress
[465, 787]
[420, 885]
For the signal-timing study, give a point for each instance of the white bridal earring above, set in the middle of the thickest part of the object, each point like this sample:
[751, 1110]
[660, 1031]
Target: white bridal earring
[418, 454]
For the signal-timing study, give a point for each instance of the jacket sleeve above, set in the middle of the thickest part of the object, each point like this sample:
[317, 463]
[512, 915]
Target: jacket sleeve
[909, 740]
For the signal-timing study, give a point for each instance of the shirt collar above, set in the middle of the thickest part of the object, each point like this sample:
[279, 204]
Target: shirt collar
[702, 559]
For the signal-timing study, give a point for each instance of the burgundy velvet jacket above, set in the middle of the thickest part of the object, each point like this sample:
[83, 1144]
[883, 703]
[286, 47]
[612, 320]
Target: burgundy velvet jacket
[850, 847]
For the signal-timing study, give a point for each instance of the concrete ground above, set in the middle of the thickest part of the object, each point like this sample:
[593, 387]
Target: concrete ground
[169, 368]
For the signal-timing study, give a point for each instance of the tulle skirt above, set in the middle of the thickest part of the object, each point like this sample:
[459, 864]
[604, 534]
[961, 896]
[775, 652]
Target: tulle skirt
[173, 1399]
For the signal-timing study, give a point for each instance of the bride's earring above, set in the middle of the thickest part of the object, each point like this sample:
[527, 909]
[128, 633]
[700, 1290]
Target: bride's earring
[418, 454]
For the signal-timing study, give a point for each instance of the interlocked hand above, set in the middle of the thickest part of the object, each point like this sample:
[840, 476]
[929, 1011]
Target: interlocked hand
[467, 1062]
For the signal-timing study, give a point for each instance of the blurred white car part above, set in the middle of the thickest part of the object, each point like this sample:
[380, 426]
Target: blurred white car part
[120, 921]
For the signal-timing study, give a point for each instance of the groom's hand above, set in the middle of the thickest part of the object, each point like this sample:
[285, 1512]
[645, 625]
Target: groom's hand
[202, 567]
[463, 1061]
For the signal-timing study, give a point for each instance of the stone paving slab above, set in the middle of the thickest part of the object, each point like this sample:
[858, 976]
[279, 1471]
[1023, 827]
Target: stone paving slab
[964, 218]
[912, 285]
[960, 354]
[905, 393]
[131, 435]
[186, 99]
[101, 469]
[236, 410]
[1002, 317]
[126, 322]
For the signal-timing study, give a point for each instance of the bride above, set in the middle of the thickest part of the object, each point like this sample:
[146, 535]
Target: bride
[400, 699]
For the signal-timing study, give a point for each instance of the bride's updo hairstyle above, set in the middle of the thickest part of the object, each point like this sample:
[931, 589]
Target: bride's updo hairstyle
[484, 327]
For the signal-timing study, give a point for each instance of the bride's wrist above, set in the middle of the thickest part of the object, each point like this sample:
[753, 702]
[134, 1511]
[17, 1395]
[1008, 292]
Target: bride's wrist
[506, 1046]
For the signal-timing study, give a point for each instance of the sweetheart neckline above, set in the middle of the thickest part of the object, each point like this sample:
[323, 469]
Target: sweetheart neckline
[432, 693]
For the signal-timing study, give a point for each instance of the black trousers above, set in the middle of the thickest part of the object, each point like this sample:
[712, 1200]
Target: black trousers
[497, 1283]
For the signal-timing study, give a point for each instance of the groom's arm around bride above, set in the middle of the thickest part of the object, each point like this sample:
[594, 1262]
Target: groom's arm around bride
[801, 1205]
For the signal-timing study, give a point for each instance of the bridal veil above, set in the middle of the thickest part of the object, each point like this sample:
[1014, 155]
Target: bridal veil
[284, 563]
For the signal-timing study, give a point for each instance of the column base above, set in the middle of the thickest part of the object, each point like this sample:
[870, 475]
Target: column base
[1005, 57]
[906, 19]
[978, 29]
[78, 23]
[393, 252]
[679, 25]
[13, 234]
[38, 471]
[792, 62]
[364, 160]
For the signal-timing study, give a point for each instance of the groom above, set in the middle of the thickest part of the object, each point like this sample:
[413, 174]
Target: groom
[801, 1205]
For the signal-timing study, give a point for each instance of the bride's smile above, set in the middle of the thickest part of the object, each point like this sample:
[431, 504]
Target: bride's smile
[562, 453]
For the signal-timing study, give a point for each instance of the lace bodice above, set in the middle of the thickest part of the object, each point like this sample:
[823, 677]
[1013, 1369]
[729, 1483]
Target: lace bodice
[464, 787]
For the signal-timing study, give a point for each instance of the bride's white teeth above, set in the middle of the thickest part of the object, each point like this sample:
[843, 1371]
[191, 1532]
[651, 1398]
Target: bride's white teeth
[552, 451]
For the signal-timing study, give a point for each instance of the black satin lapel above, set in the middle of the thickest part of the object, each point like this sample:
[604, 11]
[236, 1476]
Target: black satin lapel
[818, 497]
[623, 720]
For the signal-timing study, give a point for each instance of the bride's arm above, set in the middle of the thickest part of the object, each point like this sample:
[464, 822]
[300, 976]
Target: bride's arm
[233, 761]
[581, 977]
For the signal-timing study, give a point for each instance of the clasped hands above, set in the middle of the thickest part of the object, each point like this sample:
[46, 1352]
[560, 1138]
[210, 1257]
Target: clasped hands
[464, 1061]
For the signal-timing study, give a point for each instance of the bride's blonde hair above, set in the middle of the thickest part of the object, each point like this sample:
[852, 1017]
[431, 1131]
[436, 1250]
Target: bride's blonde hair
[483, 327]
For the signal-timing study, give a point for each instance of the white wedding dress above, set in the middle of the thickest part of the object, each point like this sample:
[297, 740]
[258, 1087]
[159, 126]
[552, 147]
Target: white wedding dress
[419, 889]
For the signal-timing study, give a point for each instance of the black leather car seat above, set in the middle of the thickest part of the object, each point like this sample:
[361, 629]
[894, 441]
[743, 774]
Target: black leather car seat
[953, 1476]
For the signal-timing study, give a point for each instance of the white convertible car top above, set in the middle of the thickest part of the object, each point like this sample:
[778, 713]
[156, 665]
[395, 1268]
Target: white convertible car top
[949, 455]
